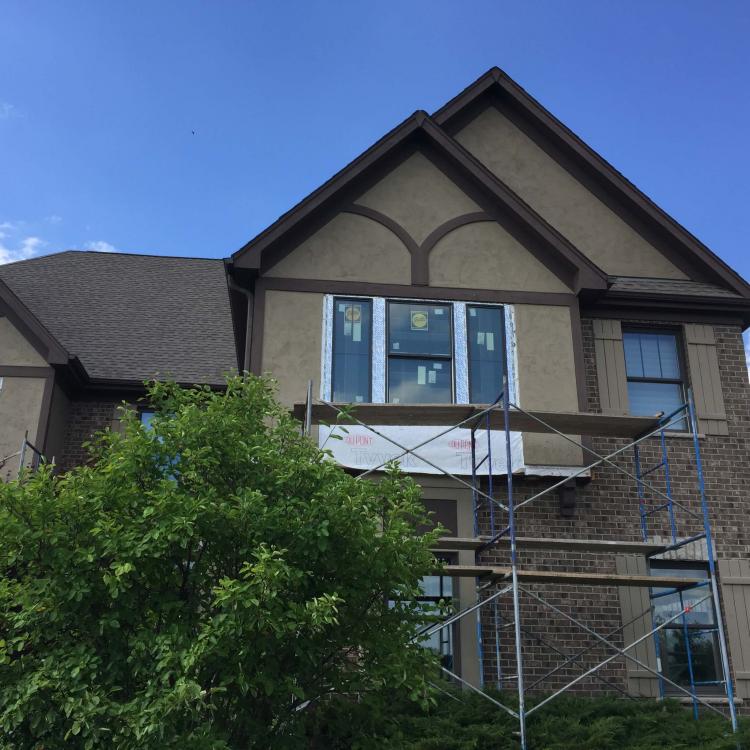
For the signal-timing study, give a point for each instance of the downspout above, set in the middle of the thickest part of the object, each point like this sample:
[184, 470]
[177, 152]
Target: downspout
[249, 297]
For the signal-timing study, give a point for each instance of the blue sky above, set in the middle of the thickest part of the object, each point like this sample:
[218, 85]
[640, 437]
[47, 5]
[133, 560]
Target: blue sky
[184, 128]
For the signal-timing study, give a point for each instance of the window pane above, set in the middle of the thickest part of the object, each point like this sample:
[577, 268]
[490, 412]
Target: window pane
[146, 417]
[419, 329]
[352, 327]
[647, 399]
[703, 650]
[437, 587]
[485, 345]
[419, 381]
[667, 606]
[651, 355]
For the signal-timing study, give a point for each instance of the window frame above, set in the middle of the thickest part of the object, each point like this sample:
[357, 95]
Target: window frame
[460, 382]
[678, 626]
[683, 381]
[503, 349]
[408, 355]
[452, 630]
[358, 300]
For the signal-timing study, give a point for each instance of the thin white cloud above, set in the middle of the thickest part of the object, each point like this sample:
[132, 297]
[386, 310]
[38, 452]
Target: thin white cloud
[100, 246]
[8, 111]
[53, 219]
[27, 248]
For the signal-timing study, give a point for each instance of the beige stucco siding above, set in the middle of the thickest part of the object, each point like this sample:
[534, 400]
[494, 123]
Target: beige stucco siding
[546, 377]
[349, 248]
[563, 201]
[418, 196]
[292, 342]
[20, 406]
[485, 256]
[15, 349]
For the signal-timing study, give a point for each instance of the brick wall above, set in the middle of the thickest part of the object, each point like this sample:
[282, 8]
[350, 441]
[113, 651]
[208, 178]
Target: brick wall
[607, 508]
[85, 418]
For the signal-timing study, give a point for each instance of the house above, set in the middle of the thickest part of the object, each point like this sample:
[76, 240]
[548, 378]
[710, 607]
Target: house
[482, 240]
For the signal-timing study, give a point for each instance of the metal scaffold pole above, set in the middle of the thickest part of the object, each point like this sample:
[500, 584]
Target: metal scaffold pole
[504, 416]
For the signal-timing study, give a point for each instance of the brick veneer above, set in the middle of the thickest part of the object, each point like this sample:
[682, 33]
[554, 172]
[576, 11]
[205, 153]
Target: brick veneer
[85, 418]
[607, 509]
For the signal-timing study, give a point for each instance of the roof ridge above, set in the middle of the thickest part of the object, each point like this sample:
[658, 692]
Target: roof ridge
[71, 251]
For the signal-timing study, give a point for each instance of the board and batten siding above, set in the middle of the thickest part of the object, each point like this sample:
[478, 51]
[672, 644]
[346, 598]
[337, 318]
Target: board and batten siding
[635, 607]
[734, 579]
[610, 366]
[703, 363]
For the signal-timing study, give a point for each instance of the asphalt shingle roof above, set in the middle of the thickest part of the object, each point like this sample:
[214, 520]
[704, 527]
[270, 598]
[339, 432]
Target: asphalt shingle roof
[132, 316]
[669, 287]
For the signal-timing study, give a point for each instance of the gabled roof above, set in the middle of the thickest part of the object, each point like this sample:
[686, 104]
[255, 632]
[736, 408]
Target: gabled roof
[559, 254]
[131, 317]
[688, 252]
[670, 287]
[31, 327]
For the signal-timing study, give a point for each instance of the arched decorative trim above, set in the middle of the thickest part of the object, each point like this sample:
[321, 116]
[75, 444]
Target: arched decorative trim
[446, 228]
[391, 225]
[419, 253]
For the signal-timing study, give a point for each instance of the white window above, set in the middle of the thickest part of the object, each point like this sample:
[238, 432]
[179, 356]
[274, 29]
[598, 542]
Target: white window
[415, 351]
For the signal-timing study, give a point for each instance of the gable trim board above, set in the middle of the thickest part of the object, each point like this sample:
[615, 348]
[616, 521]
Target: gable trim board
[419, 133]
[658, 228]
[30, 327]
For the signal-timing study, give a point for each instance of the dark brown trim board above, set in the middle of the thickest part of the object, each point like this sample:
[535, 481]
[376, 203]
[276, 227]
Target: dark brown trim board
[28, 324]
[404, 291]
[24, 371]
[419, 132]
[657, 227]
[44, 412]
[420, 272]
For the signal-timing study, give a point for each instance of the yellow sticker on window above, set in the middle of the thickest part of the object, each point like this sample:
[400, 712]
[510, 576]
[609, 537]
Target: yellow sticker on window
[419, 320]
[353, 313]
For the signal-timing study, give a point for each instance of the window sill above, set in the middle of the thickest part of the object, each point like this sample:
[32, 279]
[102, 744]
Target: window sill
[683, 435]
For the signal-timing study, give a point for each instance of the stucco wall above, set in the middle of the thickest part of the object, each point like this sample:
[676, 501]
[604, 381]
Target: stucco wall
[563, 201]
[547, 377]
[349, 248]
[418, 196]
[485, 256]
[20, 398]
[20, 405]
[292, 342]
[15, 349]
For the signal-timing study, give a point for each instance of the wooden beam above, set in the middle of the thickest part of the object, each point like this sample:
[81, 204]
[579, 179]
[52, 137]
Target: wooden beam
[445, 415]
[567, 577]
[566, 545]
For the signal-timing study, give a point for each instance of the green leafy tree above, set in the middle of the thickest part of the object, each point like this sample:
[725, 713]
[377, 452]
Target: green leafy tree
[204, 583]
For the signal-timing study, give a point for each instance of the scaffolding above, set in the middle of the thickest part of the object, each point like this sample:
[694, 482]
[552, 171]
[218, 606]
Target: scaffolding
[27, 449]
[514, 580]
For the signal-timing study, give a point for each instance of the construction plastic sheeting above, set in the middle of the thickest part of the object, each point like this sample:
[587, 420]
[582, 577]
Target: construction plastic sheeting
[360, 448]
